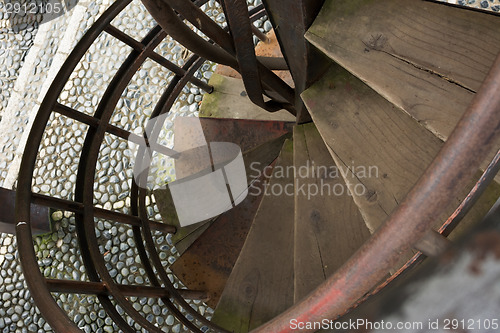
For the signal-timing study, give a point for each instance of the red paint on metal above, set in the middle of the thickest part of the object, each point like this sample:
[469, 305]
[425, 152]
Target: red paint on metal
[455, 164]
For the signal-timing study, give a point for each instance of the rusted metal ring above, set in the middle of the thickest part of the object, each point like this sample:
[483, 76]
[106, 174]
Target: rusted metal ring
[82, 206]
[458, 160]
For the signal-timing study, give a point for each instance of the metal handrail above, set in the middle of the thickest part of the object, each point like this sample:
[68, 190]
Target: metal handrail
[224, 52]
[82, 205]
[451, 170]
[54, 315]
[448, 226]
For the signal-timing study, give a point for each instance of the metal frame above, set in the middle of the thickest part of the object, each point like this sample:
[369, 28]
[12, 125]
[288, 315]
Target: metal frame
[232, 49]
[101, 284]
[450, 171]
[468, 145]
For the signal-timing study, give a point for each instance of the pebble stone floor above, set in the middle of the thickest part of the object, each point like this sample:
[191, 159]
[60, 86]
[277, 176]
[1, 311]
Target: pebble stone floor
[58, 252]
[16, 37]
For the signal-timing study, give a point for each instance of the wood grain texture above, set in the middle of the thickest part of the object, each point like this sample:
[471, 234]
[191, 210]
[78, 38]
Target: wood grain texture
[363, 130]
[260, 142]
[261, 284]
[426, 58]
[230, 100]
[208, 262]
[328, 226]
[184, 236]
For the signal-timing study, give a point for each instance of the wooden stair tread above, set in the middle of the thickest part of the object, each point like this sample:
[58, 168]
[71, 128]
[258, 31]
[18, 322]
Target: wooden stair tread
[328, 226]
[208, 262]
[166, 206]
[426, 58]
[261, 284]
[229, 100]
[364, 132]
[247, 134]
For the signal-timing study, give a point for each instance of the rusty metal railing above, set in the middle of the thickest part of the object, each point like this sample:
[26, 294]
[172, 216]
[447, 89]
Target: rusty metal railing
[234, 50]
[101, 284]
[458, 160]
[452, 168]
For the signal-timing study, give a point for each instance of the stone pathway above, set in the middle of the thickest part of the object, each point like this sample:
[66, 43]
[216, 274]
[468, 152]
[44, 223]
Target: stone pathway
[492, 5]
[58, 253]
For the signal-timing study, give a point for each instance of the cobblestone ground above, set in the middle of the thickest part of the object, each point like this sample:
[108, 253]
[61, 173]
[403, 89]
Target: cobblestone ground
[16, 38]
[492, 5]
[58, 252]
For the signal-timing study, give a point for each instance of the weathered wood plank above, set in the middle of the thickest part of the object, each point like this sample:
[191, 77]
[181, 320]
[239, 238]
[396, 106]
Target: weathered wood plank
[426, 58]
[248, 134]
[380, 150]
[166, 206]
[230, 100]
[261, 284]
[328, 225]
[184, 243]
[208, 262]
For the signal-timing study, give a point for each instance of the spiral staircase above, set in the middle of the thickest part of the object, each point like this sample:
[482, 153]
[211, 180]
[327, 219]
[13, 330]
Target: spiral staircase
[369, 138]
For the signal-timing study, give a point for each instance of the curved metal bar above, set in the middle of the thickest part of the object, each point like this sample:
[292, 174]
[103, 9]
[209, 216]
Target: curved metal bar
[23, 196]
[167, 284]
[448, 226]
[149, 268]
[469, 201]
[54, 315]
[96, 288]
[455, 164]
[259, 34]
[92, 264]
[138, 46]
[176, 28]
[202, 22]
[173, 25]
[77, 207]
[257, 12]
[164, 106]
[86, 170]
[85, 224]
[273, 63]
[241, 31]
